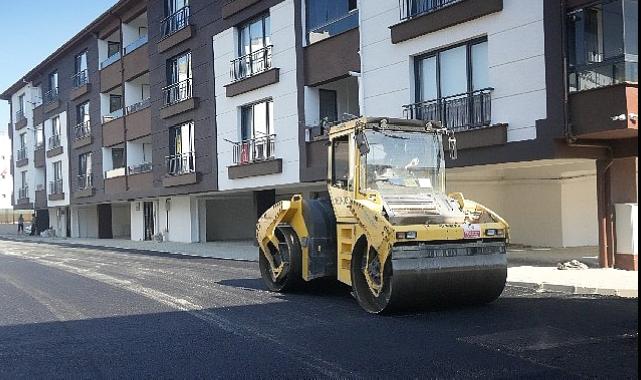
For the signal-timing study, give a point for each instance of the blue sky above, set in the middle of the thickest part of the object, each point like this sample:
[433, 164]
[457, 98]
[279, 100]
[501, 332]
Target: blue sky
[33, 29]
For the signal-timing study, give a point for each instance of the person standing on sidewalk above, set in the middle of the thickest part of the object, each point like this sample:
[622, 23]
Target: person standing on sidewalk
[34, 225]
[20, 224]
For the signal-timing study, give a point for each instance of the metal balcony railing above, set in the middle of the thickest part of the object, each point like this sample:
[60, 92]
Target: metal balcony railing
[56, 187]
[141, 105]
[21, 154]
[20, 115]
[51, 96]
[82, 130]
[111, 59]
[414, 8]
[144, 167]
[179, 164]
[141, 41]
[334, 27]
[175, 22]
[251, 64]
[255, 150]
[177, 92]
[80, 79]
[54, 141]
[458, 112]
[601, 74]
[39, 145]
[23, 192]
[113, 116]
[85, 181]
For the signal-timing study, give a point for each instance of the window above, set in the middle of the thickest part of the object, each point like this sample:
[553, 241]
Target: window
[21, 106]
[118, 157]
[340, 162]
[326, 18]
[80, 66]
[55, 126]
[56, 184]
[23, 141]
[603, 44]
[254, 48]
[328, 105]
[82, 113]
[113, 48]
[84, 164]
[177, 12]
[115, 103]
[23, 179]
[53, 81]
[452, 86]
[173, 6]
[182, 158]
[38, 136]
[257, 120]
[22, 150]
[178, 79]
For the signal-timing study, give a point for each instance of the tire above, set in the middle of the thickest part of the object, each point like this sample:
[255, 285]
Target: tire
[374, 304]
[292, 279]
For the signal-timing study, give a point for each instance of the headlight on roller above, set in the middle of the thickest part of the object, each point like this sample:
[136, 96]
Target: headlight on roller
[406, 235]
[494, 232]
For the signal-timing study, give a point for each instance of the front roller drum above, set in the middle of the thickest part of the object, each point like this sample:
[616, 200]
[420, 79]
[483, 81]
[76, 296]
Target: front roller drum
[430, 276]
[286, 272]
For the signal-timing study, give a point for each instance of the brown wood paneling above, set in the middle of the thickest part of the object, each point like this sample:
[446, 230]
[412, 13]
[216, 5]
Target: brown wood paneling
[180, 180]
[116, 185]
[480, 137]
[136, 63]
[141, 182]
[253, 83]
[24, 203]
[41, 199]
[22, 123]
[323, 63]
[138, 124]
[235, 6]
[57, 197]
[113, 132]
[55, 151]
[592, 112]
[38, 115]
[626, 262]
[81, 142]
[86, 193]
[446, 17]
[51, 106]
[174, 39]
[39, 158]
[23, 162]
[256, 169]
[77, 92]
[178, 108]
[110, 77]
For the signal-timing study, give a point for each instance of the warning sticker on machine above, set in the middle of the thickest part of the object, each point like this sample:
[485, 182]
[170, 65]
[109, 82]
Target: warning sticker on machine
[471, 231]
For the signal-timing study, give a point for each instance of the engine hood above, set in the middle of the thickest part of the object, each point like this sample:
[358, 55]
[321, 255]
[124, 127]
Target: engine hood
[425, 208]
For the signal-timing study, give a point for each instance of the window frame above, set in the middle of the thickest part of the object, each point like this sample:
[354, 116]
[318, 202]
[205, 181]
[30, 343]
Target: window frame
[173, 72]
[86, 160]
[56, 128]
[53, 76]
[264, 18]
[418, 77]
[174, 132]
[78, 62]
[333, 181]
[269, 119]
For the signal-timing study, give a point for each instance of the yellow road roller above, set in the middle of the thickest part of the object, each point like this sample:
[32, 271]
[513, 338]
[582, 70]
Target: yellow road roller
[389, 229]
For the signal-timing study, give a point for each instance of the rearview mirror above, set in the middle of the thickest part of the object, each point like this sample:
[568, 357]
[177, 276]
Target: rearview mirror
[362, 143]
[453, 147]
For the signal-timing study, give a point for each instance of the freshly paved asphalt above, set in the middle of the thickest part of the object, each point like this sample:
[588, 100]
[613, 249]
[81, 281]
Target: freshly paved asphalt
[93, 313]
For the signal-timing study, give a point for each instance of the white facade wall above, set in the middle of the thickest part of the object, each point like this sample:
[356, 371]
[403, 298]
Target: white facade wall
[137, 221]
[515, 52]
[64, 158]
[283, 93]
[84, 222]
[179, 223]
[58, 220]
[32, 178]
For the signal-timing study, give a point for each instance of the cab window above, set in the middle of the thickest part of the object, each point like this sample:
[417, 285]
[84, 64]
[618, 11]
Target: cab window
[340, 162]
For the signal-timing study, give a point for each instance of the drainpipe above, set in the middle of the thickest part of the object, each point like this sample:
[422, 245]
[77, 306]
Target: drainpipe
[361, 87]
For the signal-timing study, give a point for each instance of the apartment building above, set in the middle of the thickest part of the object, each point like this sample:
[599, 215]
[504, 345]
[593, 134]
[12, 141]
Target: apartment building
[184, 120]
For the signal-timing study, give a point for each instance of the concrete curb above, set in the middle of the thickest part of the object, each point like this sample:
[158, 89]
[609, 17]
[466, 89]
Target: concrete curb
[577, 290]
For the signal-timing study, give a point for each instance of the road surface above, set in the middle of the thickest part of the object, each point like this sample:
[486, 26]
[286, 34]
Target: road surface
[96, 313]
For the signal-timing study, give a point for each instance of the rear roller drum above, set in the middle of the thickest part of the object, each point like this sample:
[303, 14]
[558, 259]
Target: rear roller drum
[371, 281]
[284, 273]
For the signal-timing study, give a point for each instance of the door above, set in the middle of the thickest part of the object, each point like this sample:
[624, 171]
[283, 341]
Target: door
[148, 215]
[328, 105]
[105, 229]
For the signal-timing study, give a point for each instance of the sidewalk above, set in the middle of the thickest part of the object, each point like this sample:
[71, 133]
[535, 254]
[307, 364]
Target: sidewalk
[528, 267]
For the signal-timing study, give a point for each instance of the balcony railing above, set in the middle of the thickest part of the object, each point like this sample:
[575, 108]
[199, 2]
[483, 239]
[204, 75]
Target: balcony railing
[145, 167]
[85, 181]
[39, 145]
[251, 64]
[56, 187]
[83, 130]
[80, 79]
[458, 112]
[136, 44]
[179, 164]
[113, 116]
[21, 154]
[54, 142]
[414, 8]
[117, 172]
[23, 192]
[51, 96]
[255, 150]
[177, 92]
[601, 74]
[175, 22]
[112, 59]
[19, 115]
[139, 106]
[334, 27]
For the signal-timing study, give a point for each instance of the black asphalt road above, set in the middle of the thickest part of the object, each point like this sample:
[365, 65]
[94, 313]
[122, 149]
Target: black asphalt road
[88, 313]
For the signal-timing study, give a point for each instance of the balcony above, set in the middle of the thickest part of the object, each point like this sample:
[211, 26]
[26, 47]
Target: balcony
[174, 29]
[113, 128]
[602, 74]
[136, 61]
[21, 158]
[39, 155]
[116, 181]
[138, 106]
[255, 157]
[54, 146]
[21, 120]
[82, 134]
[140, 177]
[136, 44]
[41, 198]
[334, 27]
[85, 187]
[111, 60]
[80, 84]
[181, 170]
[117, 114]
[23, 193]
[145, 167]
[56, 190]
[421, 17]
[178, 99]
[51, 100]
[459, 112]
[251, 72]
